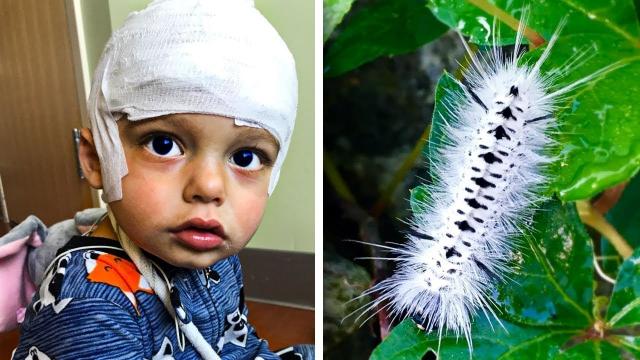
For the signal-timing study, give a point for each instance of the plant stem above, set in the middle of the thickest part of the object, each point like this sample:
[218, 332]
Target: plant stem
[593, 218]
[609, 198]
[535, 40]
[336, 180]
[400, 174]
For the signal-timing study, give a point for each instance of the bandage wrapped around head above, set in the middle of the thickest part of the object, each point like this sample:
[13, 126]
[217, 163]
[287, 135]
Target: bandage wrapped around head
[219, 57]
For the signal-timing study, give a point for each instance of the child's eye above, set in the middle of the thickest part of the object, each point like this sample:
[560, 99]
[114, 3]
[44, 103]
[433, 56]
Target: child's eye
[247, 160]
[163, 145]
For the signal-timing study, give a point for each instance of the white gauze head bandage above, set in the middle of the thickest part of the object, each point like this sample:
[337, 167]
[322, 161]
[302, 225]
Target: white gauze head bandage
[219, 57]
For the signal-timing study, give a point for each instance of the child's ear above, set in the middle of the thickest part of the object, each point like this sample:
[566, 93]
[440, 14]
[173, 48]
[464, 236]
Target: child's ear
[89, 160]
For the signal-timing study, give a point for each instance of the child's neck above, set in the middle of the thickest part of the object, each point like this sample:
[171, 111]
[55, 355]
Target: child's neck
[104, 230]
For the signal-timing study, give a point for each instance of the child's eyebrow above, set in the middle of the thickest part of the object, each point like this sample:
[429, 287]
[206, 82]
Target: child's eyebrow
[168, 121]
[253, 134]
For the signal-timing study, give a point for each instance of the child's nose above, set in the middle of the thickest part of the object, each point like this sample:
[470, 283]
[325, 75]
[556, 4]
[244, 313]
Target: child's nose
[206, 183]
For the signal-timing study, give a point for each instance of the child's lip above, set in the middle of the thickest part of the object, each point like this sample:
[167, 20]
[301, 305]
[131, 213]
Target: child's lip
[199, 239]
[211, 226]
[200, 234]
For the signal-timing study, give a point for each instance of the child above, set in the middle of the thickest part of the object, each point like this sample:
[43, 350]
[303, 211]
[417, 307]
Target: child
[192, 108]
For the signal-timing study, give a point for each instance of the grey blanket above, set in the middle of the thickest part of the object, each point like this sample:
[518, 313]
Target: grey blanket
[53, 238]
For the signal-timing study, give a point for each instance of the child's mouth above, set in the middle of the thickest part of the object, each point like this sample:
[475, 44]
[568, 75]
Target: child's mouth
[199, 234]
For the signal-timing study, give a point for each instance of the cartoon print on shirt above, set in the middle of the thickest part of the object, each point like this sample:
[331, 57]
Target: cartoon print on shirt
[208, 276]
[117, 272]
[35, 354]
[51, 287]
[289, 354]
[165, 352]
[176, 302]
[235, 330]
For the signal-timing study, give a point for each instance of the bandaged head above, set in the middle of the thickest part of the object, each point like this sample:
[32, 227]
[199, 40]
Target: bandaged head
[219, 57]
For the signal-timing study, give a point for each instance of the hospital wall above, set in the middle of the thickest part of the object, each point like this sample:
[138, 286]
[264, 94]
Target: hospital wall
[288, 223]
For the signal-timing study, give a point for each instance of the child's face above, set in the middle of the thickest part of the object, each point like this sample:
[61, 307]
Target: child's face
[187, 166]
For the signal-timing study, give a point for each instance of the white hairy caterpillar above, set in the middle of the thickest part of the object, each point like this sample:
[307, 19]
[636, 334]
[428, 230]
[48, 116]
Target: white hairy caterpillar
[489, 176]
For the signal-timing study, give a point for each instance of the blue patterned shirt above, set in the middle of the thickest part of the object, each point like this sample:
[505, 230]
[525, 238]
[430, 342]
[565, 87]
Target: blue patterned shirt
[94, 304]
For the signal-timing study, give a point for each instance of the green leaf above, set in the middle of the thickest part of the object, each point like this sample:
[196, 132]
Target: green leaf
[491, 341]
[624, 308]
[333, 11]
[406, 341]
[417, 197]
[381, 28]
[600, 146]
[590, 350]
[448, 91]
[554, 285]
[506, 342]
[584, 17]
[600, 139]
[623, 314]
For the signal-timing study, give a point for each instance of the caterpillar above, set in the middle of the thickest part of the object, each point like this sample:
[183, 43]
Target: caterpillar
[489, 176]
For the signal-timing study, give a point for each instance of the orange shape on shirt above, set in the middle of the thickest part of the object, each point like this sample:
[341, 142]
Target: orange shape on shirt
[115, 271]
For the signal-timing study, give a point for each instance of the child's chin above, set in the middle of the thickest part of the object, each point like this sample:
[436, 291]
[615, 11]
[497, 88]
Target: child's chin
[195, 262]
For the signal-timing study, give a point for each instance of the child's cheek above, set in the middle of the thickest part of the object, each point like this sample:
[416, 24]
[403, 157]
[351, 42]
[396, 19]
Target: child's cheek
[249, 212]
[144, 192]
[249, 193]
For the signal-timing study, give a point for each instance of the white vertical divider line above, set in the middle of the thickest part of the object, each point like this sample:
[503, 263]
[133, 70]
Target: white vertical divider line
[318, 183]
[4, 212]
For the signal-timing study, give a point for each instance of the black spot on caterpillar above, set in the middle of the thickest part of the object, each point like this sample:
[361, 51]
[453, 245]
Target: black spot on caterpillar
[452, 252]
[489, 158]
[419, 234]
[483, 183]
[464, 226]
[506, 113]
[544, 117]
[475, 204]
[499, 133]
[475, 97]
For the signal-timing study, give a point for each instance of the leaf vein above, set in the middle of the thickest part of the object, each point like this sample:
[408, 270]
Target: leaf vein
[536, 339]
[591, 15]
[624, 311]
[555, 284]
